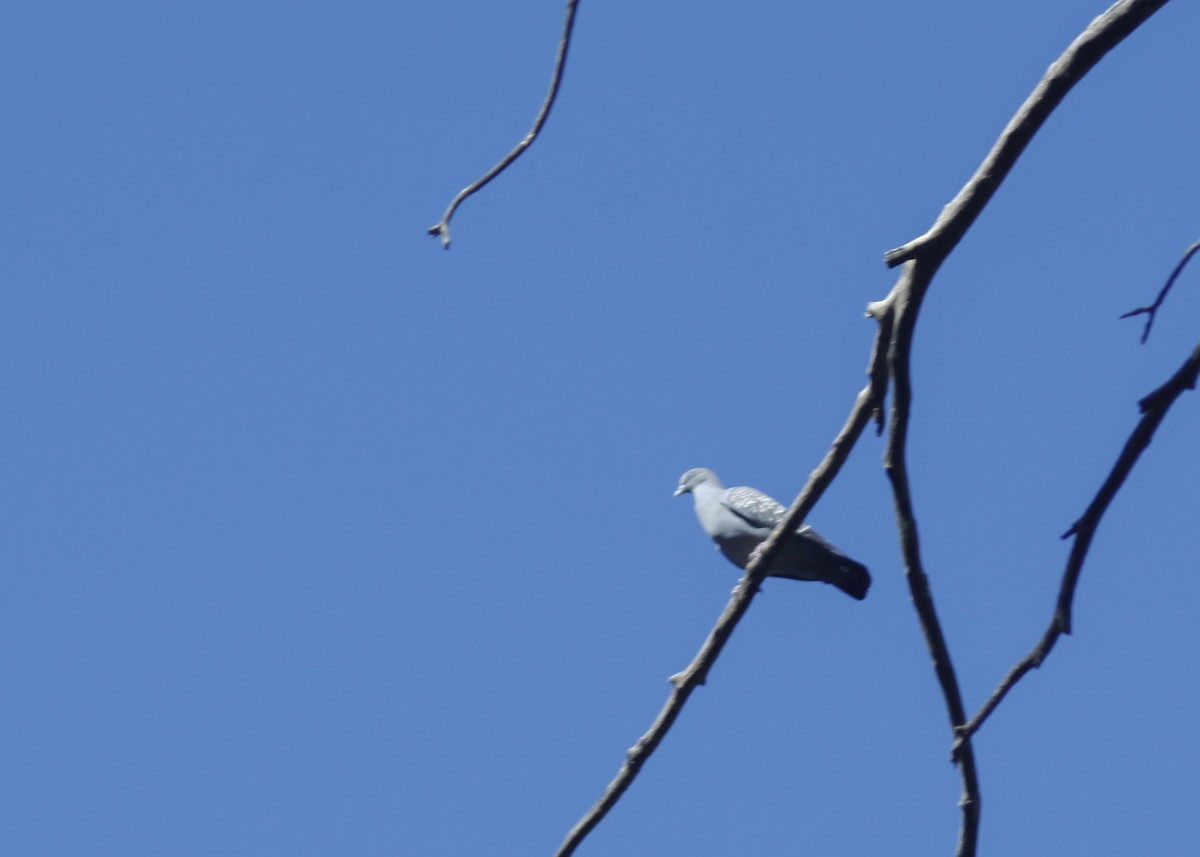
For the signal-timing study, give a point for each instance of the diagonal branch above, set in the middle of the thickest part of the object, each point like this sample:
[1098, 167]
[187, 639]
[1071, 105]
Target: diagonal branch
[869, 400]
[442, 227]
[905, 302]
[1154, 409]
[1152, 310]
[1101, 36]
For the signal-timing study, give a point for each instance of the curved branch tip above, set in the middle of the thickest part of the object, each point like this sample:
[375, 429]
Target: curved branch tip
[441, 230]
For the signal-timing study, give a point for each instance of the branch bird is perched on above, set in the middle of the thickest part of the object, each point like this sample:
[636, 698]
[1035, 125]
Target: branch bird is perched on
[740, 519]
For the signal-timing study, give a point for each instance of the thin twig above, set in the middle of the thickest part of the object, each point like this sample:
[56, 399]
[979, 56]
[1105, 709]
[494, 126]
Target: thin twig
[907, 297]
[442, 227]
[1152, 310]
[1101, 36]
[695, 674]
[1154, 409]
[881, 311]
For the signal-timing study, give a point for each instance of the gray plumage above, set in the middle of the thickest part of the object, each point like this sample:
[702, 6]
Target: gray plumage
[740, 519]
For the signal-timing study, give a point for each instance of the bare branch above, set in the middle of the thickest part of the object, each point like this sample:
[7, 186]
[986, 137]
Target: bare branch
[1152, 310]
[442, 227]
[924, 255]
[1101, 36]
[1154, 409]
[868, 401]
[881, 311]
[897, 315]
[922, 258]
[906, 300]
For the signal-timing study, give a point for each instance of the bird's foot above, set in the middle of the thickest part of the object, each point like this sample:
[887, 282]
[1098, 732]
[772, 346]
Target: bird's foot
[742, 582]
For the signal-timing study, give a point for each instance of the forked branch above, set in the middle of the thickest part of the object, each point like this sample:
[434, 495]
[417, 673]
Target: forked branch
[1152, 310]
[890, 361]
[1154, 409]
[922, 257]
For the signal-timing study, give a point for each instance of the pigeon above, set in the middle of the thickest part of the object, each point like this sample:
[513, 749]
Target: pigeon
[740, 519]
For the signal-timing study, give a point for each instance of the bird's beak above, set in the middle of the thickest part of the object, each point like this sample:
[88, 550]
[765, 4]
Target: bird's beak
[680, 490]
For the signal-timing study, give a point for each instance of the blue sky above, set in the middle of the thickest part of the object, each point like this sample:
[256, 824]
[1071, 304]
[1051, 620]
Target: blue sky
[320, 540]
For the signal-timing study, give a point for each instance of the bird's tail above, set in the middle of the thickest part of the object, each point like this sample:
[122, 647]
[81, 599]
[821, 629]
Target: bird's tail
[851, 577]
[810, 557]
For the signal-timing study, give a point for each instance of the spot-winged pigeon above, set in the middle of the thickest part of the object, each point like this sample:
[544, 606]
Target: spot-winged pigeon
[740, 519]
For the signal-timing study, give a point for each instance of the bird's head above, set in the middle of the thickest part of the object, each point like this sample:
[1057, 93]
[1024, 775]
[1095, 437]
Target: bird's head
[695, 477]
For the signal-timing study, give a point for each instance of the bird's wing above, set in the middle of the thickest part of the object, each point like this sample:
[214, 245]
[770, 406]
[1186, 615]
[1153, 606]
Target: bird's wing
[808, 532]
[754, 507]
